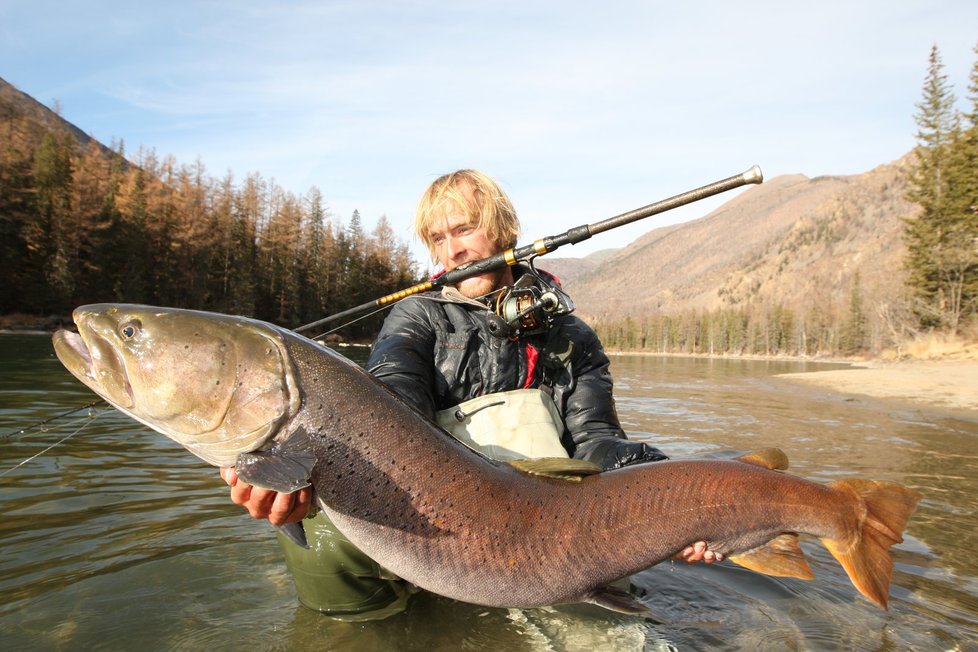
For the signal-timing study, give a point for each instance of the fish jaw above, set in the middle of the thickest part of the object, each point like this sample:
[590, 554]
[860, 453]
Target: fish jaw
[217, 386]
[93, 361]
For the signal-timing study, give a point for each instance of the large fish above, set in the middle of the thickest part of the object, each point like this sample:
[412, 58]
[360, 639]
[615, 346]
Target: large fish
[288, 413]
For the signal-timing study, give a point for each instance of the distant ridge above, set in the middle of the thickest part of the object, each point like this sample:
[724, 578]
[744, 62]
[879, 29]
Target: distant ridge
[792, 241]
[14, 103]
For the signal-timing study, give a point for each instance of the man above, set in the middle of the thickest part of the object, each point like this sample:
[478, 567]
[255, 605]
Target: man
[442, 352]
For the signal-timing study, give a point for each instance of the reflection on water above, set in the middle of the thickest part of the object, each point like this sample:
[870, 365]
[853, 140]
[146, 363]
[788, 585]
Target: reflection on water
[119, 539]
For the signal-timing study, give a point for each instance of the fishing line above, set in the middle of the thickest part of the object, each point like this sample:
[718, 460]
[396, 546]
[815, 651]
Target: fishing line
[350, 322]
[40, 424]
[87, 421]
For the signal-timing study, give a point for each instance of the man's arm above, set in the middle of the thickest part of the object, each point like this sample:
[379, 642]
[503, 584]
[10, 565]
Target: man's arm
[402, 356]
[589, 406]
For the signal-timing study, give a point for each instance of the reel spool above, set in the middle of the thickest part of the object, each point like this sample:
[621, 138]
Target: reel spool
[528, 307]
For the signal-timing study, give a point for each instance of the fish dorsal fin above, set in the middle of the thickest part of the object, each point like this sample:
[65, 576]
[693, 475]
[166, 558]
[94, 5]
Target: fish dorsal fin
[781, 557]
[769, 458]
[561, 468]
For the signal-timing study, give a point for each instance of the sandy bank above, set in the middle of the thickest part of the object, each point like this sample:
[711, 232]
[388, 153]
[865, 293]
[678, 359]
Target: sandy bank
[949, 384]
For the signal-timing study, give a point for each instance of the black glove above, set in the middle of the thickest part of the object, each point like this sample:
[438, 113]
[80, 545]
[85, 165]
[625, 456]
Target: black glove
[614, 453]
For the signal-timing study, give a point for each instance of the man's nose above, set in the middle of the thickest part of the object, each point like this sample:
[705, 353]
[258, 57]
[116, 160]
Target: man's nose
[454, 246]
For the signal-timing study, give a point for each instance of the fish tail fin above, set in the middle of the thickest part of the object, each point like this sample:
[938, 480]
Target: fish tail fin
[865, 555]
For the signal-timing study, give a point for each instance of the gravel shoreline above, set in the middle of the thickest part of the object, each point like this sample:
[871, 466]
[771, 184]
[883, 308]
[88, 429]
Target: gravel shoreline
[951, 384]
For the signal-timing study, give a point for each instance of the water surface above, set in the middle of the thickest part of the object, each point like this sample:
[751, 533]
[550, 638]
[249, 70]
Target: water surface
[117, 538]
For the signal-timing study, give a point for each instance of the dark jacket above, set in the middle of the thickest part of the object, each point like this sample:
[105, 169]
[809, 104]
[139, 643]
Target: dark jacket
[435, 351]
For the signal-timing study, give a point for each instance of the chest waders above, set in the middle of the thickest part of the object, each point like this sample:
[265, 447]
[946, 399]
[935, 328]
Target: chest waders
[334, 577]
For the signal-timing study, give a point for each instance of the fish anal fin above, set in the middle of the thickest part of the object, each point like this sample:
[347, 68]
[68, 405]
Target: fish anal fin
[560, 468]
[781, 557]
[866, 555]
[615, 599]
[769, 458]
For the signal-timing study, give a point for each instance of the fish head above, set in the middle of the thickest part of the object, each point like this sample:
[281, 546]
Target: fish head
[218, 385]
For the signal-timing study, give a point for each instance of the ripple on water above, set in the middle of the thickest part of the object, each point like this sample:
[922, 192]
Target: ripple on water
[120, 539]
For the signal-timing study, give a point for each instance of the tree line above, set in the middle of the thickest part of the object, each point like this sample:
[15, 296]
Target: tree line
[941, 263]
[770, 330]
[82, 224]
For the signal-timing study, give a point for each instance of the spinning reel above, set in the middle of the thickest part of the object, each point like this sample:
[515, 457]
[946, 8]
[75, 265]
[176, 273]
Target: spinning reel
[528, 307]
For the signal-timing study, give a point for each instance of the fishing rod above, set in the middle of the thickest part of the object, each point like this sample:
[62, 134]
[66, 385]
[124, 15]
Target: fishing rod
[548, 244]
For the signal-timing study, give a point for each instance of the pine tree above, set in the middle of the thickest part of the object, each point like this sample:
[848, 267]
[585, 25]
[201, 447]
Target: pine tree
[50, 241]
[926, 236]
[968, 161]
[853, 336]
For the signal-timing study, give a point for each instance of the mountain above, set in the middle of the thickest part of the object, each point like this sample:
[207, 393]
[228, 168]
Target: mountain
[568, 270]
[792, 241]
[16, 105]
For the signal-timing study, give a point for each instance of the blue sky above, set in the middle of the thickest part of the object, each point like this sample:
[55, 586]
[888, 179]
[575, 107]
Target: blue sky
[582, 110]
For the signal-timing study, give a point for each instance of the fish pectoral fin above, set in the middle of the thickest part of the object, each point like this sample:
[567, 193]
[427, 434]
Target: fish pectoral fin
[621, 601]
[295, 533]
[561, 468]
[285, 467]
[781, 557]
[769, 458]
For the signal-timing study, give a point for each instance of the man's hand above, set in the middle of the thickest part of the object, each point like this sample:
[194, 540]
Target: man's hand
[278, 508]
[698, 552]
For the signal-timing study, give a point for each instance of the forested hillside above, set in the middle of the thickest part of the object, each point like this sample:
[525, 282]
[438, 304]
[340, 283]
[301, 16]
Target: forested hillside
[82, 223]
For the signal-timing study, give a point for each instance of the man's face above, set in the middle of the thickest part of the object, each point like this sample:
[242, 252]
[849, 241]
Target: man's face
[457, 239]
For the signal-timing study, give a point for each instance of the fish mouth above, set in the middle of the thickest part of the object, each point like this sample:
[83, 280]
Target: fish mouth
[95, 362]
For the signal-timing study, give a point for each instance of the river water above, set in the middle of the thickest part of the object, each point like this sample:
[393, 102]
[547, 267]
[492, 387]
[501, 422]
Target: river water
[118, 539]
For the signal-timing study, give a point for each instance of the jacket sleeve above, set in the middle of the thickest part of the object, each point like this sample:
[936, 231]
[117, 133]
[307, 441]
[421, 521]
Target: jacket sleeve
[402, 356]
[589, 407]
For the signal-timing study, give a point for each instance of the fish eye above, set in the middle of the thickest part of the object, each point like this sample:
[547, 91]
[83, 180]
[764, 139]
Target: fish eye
[130, 329]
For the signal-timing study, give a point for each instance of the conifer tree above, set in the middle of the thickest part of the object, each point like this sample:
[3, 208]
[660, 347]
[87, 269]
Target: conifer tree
[926, 235]
[969, 191]
[50, 239]
[853, 336]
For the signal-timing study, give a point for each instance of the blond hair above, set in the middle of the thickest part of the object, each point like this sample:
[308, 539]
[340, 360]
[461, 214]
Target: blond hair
[490, 209]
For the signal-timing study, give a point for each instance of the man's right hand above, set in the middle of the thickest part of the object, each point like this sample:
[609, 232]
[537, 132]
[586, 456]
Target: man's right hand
[261, 503]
